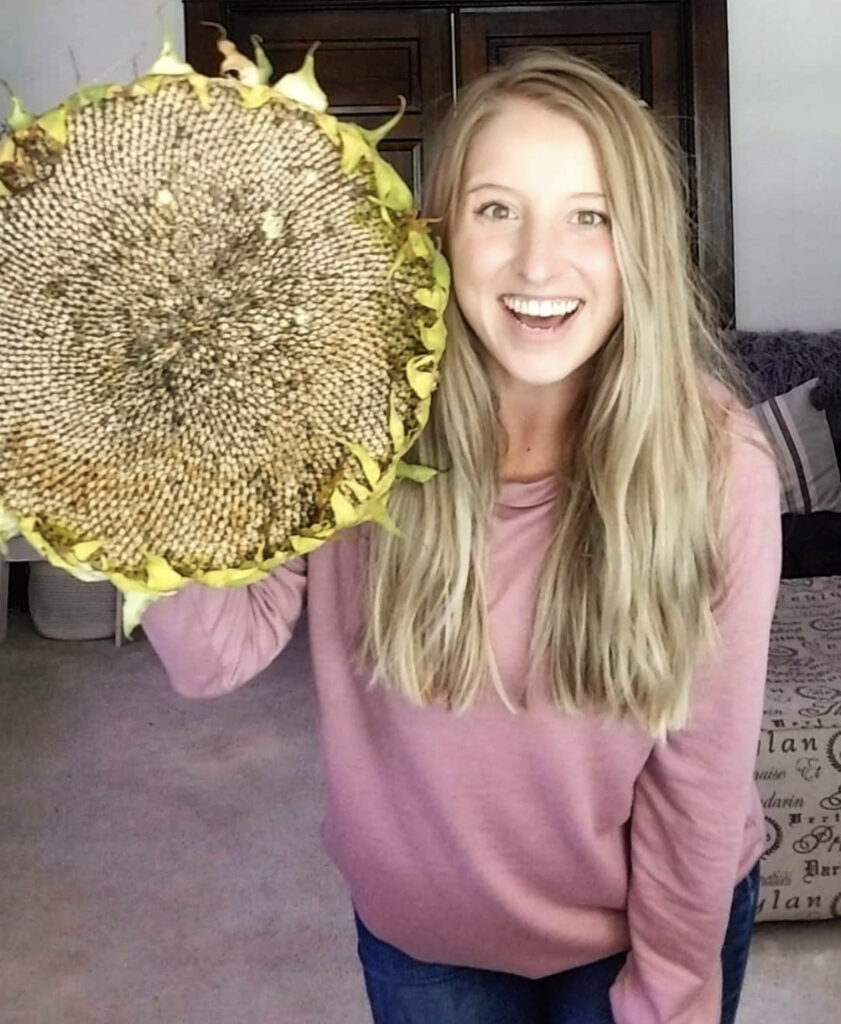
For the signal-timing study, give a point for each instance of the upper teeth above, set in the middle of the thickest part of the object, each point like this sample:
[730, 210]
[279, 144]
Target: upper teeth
[541, 307]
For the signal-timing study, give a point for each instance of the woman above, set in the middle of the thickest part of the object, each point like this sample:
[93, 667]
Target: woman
[540, 709]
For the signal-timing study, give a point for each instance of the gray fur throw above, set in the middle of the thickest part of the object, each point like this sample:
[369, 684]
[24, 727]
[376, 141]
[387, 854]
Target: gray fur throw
[777, 362]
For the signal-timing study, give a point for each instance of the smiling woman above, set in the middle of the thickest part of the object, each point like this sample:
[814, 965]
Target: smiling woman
[541, 698]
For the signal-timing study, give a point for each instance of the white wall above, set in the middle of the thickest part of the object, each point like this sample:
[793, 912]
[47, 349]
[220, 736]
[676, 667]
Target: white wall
[785, 101]
[104, 35]
[785, 87]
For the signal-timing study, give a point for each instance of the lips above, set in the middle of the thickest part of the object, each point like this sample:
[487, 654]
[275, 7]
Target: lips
[543, 324]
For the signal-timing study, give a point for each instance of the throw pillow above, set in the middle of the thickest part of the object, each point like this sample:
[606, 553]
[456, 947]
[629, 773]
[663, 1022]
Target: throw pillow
[808, 453]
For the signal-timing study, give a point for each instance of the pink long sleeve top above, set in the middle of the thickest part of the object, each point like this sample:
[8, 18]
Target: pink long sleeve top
[530, 842]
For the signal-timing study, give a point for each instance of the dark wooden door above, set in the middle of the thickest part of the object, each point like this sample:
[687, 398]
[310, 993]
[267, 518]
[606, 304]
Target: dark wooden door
[639, 44]
[366, 60]
[673, 53]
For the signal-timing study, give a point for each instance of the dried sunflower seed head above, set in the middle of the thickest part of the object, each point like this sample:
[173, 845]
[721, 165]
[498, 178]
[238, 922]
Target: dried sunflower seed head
[221, 323]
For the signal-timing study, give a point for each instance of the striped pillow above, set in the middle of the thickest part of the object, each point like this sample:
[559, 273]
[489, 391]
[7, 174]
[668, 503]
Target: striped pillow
[808, 453]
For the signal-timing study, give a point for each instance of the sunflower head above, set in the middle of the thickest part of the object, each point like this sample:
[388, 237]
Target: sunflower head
[221, 321]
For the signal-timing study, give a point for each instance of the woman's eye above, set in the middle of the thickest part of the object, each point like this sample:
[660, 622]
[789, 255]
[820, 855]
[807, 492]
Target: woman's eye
[590, 218]
[494, 211]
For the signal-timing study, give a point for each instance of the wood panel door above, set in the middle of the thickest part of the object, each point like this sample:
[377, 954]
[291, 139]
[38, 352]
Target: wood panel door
[366, 59]
[638, 44]
[650, 48]
[673, 53]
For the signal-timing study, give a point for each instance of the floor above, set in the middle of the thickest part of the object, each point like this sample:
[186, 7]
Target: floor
[160, 858]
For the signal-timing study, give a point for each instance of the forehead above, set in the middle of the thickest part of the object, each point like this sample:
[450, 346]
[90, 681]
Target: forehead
[524, 144]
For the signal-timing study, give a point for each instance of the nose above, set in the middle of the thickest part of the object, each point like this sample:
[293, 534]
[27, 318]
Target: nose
[541, 250]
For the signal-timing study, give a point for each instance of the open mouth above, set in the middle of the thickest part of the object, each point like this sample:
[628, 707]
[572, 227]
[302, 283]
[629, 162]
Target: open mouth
[549, 316]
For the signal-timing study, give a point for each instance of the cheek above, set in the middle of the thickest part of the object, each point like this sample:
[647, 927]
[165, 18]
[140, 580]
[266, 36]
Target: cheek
[605, 270]
[476, 263]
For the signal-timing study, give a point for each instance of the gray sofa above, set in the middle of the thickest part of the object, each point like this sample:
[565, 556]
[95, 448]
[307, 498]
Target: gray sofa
[798, 768]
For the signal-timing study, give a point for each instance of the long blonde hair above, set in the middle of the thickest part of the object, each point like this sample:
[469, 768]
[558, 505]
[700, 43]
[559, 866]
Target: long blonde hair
[624, 604]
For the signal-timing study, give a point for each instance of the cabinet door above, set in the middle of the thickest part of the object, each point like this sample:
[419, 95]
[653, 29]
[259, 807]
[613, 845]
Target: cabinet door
[366, 59]
[638, 43]
[674, 56]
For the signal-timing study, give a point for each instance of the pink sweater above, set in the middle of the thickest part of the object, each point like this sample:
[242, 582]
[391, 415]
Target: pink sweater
[529, 842]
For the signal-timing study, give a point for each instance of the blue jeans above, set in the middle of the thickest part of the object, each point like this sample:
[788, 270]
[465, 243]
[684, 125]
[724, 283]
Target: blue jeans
[402, 990]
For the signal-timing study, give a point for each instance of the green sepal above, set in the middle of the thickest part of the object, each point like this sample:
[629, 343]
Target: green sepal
[420, 373]
[391, 188]
[20, 117]
[362, 494]
[304, 545]
[369, 466]
[441, 272]
[90, 94]
[375, 136]
[434, 338]
[201, 87]
[378, 512]
[264, 65]
[54, 123]
[343, 510]
[169, 62]
[419, 474]
[354, 147]
[302, 87]
[330, 126]
[256, 96]
[433, 298]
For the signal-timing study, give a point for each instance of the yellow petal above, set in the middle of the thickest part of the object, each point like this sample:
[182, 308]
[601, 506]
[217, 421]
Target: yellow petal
[366, 461]
[200, 84]
[395, 427]
[304, 545]
[85, 549]
[421, 375]
[232, 577]
[9, 524]
[134, 606]
[345, 513]
[160, 574]
[362, 494]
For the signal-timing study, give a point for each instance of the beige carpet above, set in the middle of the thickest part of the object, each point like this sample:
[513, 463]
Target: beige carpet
[160, 861]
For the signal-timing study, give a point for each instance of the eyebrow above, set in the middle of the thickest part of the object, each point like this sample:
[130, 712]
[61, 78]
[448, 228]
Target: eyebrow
[505, 188]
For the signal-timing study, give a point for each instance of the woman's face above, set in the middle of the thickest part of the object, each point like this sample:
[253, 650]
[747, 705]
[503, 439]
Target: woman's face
[534, 267]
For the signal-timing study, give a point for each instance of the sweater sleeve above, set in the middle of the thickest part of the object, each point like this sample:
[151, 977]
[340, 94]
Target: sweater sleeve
[692, 799]
[212, 640]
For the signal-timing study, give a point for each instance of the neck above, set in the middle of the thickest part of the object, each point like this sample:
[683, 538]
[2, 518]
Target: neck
[535, 432]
